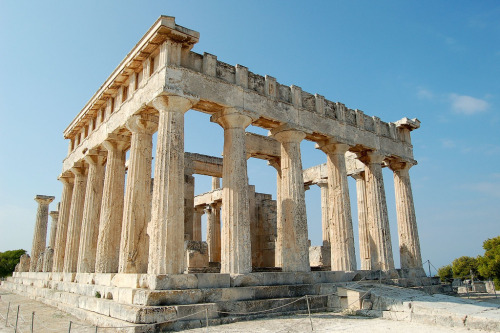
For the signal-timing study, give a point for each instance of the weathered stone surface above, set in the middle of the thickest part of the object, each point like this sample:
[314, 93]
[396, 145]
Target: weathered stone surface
[53, 228]
[40, 233]
[62, 228]
[134, 244]
[110, 221]
[292, 246]
[235, 240]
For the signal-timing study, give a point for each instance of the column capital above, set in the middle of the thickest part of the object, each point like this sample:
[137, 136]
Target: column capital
[275, 163]
[287, 134]
[400, 165]
[358, 176]
[44, 199]
[207, 209]
[216, 204]
[200, 209]
[54, 214]
[115, 142]
[95, 156]
[322, 183]
[142, 124]
[370, 157]
[78, 169]
[331, 146]
[165, 103]
[66, 177]
[232, 118]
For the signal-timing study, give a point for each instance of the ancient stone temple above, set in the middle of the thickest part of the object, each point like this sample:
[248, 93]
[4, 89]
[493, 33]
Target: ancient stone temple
[127, 249]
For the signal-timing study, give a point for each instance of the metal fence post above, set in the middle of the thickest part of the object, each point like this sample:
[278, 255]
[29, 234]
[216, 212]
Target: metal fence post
[32, 320]
[17, 319]
[7, 317]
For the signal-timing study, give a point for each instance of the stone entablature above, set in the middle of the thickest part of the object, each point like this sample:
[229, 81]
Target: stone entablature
[162, 63]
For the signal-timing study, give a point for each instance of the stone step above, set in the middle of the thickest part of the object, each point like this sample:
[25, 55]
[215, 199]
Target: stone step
[154, 314]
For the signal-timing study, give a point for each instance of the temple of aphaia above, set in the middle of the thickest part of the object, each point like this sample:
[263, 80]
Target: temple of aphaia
[127, 248]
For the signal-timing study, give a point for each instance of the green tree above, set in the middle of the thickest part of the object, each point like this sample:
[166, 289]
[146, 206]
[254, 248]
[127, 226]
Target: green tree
[445, 273]
[9, 260]
[489, 264]
[462, 267]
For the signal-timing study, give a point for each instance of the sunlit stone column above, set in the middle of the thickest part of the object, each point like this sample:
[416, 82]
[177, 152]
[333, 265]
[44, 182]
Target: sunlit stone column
[110, 221]
[134, 244]
[213, 232]
[235, 241]
[40, 232]
[75, 219]
[325, 217]
[215, 183]
[166, 230]
[378, 220]
[198, 213]
[53, 229]
[341, 231]
[67, 180]
[91, 211]
[409, 244]
[188, 206]
[276, 163]
[363, 228]
[292, 243]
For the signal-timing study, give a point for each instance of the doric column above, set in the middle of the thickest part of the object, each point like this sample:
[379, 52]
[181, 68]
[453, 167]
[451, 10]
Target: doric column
[91, 212]
[235, 243]
[53, 229]
[198, 212]
[341, 232]
[40, 233]
[215, 183]
[363, 228]
[213, 232]
[325, 217]
[134, 244]
[62, 223]
[166, 230]
[276, 163]
[188, 206]
[378, 219]
[75, 219]
[292, 243]
[409, 243]
[110, 221]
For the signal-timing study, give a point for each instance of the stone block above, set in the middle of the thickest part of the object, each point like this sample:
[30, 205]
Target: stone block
[103, 279]
[172, 281]
[69, 277]
[126, 280]
[84, 278]
[213, 280]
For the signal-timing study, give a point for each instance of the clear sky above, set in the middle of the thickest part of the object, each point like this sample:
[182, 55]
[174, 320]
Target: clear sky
[438, 61]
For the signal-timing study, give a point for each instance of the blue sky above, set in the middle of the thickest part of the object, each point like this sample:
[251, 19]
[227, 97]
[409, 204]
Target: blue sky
[438, 61]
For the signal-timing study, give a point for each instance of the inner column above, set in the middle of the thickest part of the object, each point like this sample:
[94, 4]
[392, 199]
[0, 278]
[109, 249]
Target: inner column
[67, 180]
[40, 232]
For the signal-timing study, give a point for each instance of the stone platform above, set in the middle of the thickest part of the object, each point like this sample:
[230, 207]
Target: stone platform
[150, 303]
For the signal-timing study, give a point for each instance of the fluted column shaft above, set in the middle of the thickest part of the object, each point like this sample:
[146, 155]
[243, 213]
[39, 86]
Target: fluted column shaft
[40, 232]
[166, 231]
[363, 228]
[110, 221]
[188, 206]
[292, 243]
[62, 223]
[53, 229]
[378, 219]
[235, 244]
[343, 256]
[75, 220]
[409, 243]
[198, 212]
[325, 217]
[213, 232]
[276, 163]
[91, 212]
[215, 183]
[134, 244]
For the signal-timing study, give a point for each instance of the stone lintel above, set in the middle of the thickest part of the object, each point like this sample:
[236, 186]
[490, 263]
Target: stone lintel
[410, 124]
